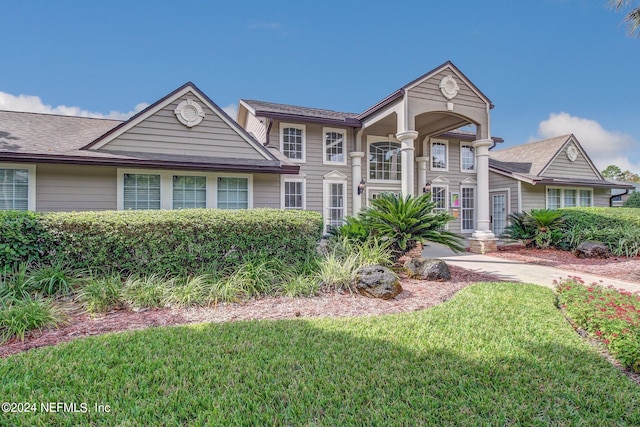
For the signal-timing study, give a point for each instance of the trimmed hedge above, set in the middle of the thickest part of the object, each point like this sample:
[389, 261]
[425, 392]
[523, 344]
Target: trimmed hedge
[23, 238]
[180, 241]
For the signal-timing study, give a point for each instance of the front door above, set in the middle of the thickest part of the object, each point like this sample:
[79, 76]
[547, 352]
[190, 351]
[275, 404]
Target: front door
[498, 213]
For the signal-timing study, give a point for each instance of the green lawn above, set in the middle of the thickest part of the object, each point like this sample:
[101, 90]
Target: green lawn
[496, 354]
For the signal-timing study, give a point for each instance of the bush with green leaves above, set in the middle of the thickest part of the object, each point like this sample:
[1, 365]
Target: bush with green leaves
[541, 228]
[180, 242]
[403, 222]
[633, 201]
[23, 237]
[17, 317]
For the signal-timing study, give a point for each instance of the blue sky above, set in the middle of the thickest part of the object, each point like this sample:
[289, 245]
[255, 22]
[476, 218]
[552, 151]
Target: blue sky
[550, 66]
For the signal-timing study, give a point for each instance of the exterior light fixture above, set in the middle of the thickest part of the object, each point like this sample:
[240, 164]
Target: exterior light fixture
[361, 186]
[427, 188]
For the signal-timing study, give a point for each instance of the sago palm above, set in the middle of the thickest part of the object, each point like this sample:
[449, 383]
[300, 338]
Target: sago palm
[407, 221]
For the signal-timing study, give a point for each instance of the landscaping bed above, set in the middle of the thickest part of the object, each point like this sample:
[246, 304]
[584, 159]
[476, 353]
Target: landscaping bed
[416, 295]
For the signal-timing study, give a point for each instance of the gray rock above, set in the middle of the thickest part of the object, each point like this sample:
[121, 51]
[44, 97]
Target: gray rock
[427, 269]
[376, 281]
[590, 249]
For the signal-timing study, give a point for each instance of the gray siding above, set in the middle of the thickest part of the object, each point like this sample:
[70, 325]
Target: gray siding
[533, 197]
[313, 168]
[601, 197]
[430, 89]
[499, 182]
[266, 190]
[562, 167]
[162, 133]
[256, 128]
[75, 188]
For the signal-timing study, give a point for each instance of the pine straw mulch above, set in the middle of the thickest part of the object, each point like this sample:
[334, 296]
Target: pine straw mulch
[622, 268]
[416, 295]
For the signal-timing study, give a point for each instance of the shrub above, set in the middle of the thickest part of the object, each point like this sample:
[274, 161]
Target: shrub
[23, 238]
[99, 295]
[53, 279]
[18, 317]
[337, 272]
[540, 228]
[182, 241]
[608, 314]
[633, 201]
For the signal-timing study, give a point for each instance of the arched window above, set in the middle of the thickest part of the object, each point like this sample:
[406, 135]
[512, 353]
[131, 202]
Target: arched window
[384, 161]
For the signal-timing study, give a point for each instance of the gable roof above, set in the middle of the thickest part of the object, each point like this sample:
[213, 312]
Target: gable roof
[294, 112]
[45, 138]
[528, 162]
[401, 92]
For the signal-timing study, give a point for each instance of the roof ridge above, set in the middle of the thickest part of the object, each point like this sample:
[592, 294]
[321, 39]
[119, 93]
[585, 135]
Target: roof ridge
[61, 115]
[297, 106]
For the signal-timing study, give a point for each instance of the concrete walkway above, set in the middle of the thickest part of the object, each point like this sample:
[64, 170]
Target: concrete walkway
[517, 271]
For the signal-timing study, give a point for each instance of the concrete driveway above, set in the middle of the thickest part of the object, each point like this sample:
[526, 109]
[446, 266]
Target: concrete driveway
[516, 271]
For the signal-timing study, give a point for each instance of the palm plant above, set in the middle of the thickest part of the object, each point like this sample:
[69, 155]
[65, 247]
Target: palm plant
[408, 221]
[632, 17]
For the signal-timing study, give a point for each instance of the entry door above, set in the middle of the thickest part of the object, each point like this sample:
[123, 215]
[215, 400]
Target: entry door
[498, 213]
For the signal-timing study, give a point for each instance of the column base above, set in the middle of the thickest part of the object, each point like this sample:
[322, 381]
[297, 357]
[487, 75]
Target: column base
[483, 246]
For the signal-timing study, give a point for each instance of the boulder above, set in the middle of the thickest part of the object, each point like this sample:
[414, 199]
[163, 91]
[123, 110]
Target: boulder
[591, 250]
[376, 281]
[427, 269]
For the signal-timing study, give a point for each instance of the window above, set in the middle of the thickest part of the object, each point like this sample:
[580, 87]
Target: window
[567, 197]
[336, 206]
[292, 141]
[468, 209]
[570, 198]
[141, 191]
[439, 149]
[585, 198]
[293, 194]
[233, 193]
[189, 192]
[384, 161]
[14, 189]
[439, 196]
[467, 158]
[334, 146]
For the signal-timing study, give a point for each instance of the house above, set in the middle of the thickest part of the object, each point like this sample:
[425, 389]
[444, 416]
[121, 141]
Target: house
[553, 173]
[183, 151]
[620, 194]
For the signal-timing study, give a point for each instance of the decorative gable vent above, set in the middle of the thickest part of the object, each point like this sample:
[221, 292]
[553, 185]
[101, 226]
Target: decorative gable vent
[189, 113]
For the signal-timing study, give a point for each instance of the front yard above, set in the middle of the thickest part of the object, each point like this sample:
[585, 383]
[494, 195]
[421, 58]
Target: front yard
[497, 353]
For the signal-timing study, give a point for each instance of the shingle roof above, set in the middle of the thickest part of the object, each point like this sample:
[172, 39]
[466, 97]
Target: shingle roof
[528, 159]
[294, 110]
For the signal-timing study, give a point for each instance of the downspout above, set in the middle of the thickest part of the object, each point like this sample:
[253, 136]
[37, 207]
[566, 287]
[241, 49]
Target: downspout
[268, 131]
[611, 198]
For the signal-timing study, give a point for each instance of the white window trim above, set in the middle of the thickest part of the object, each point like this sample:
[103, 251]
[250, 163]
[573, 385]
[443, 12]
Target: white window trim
[303, 128]
[550, 187]
[166, 185]
[324, 146]
[475, 209]
[301, 179]
[440, 182]
[446, 154]
[372, 139]
[333, 178]
[474, 159]
[31, 190]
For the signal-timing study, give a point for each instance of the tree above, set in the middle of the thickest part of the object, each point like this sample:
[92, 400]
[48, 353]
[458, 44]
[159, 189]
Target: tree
[615, 173]
[633, 16]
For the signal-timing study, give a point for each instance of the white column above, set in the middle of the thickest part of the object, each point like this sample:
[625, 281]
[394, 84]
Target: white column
[483, 223]
[422, 172]
[407, 151]
[356, 177]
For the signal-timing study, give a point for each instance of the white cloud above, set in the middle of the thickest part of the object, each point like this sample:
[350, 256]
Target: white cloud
[231, 110]
[33, 104]
[605, 147]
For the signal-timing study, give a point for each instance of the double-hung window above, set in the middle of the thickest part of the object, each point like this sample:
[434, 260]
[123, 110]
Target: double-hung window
[467, 158]
[293, 141]
[141, 191]
[439, 155]
[559, 197]
[334, 146]
[293, 196]
[439, 197]
[14, 188]
[468, 208]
